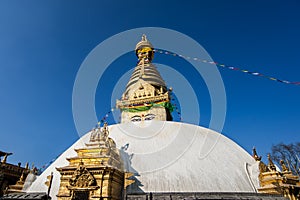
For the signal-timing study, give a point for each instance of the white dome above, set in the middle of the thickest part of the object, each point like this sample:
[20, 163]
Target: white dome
[171, 157]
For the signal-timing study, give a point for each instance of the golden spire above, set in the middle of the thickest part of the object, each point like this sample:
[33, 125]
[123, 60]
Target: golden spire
[145, 69]
[283, 166]
[143, 43]
[4, 159]
[144, 50]
[27, 166]
[271, 165]
[144, 89]
[254, 155]
[144, 37]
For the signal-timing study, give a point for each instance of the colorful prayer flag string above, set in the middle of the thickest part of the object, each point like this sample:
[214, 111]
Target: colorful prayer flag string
[226, 66]
[175, 107]
[41, 169]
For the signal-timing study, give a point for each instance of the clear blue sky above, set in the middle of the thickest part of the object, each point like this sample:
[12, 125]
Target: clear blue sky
[43, 43]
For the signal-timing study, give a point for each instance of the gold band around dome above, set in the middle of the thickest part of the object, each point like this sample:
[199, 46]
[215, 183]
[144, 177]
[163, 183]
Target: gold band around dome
[144, 49]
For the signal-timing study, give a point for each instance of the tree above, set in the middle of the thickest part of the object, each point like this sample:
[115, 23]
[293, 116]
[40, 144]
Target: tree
[289, 153]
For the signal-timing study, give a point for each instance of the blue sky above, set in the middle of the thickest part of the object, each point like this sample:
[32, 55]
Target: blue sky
[43, 43]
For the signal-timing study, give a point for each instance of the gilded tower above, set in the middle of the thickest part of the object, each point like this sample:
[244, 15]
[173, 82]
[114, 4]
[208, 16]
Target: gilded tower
[274, 181]
[96, 172]
[146, 96]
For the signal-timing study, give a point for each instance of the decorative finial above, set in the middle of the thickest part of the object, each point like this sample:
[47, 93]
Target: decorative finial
[271, 165]
[27, 166]
[144, 38]
[283, 166]
[22, 178]
[144, 47]
[4, 159]
[255, 156]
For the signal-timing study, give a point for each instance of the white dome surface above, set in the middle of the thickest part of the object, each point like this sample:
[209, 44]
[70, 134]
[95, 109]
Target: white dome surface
[171, 157]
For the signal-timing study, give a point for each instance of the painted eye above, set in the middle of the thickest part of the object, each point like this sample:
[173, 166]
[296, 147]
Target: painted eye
[136, 118]
[149, 116]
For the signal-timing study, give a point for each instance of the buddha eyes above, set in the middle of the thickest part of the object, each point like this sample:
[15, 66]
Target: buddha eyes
[138, 118]
[149, 116]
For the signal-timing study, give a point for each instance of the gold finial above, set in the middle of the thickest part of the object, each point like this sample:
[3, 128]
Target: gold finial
[105, 125]
[27, 166]
[283, 166]
[104, 134]
[33, 169]
[271, 165]
[254, 155]
[4, 159]
[144, 49]
[143, 43]
[22, 177]
[144, 38]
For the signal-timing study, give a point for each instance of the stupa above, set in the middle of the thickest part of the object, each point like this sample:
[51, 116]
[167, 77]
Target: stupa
[149, 156]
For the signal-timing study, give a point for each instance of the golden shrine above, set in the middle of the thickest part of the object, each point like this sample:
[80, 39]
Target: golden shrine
[12, 177]
[273, 181]
[96, 173]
